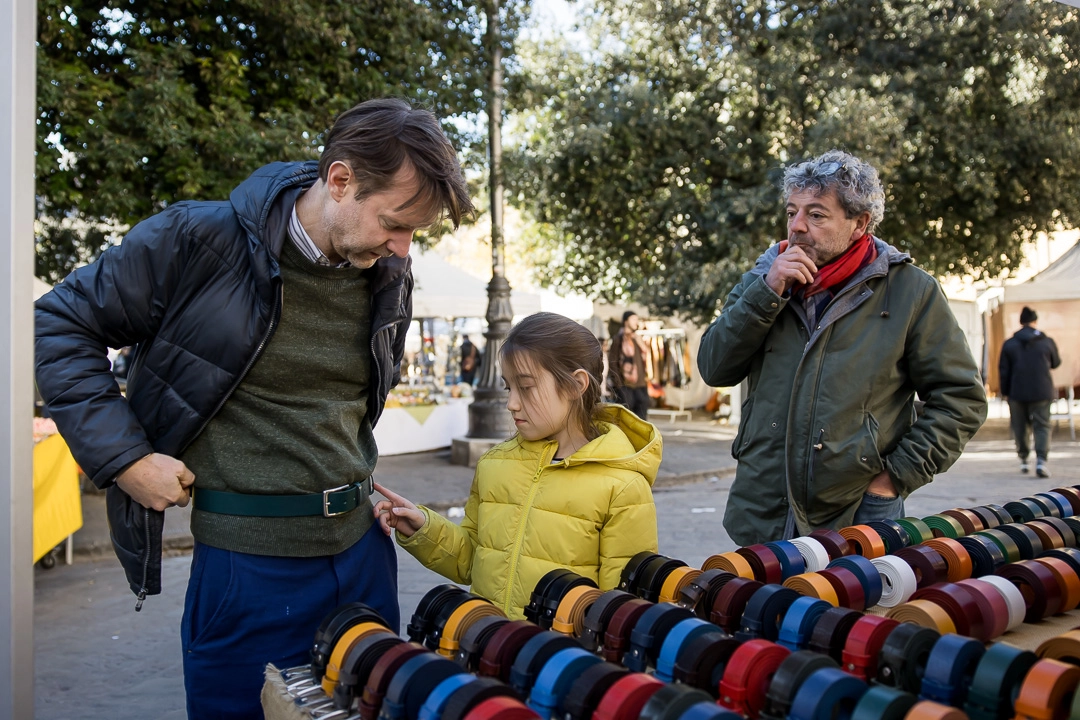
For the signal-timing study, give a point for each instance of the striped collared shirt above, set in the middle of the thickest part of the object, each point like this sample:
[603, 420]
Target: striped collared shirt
[307, 246]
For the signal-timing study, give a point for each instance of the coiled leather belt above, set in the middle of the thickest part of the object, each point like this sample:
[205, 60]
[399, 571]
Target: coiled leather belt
[799, 622]
[831, 631]
[892, 534]
[968, 520]
[848, 587]
[653, 576]
[944, 526]
[1072, 494]
[555, 592]
[486, 699]
[708, 711]
[1047, 688]
[865, 541]
[1068, 582]
[989, 517]
[701, 664]
[992, 605]
[883, 703]
[950, 669]
[1005, 543]
[590, 687]
[814, 585]
[764, 612]
[631, 572]
[834, 543]
[460, 620]
[788, 678]
[927, 710]
[864, 643]
[1026, 509]
[1029, 543]
[1060, 502]
[436, 700]
[763, 562]
[533, 656]
[673, 585]
[1068, 535]
[671, 701]
[898, 582]
[826, 694]
[599, 615]
[499, 708]
[475, 639]
[345, 643]
[679, 637]
[627, 697]
[555, 678]
[1042, 593]
[649, 633]
[867, 574]
[730, 602]
[695, 595]
[903, 657]
[924, 613]
[357, 666]
[917, 530]
[748, 674]
[617, 634]
[428, 607]
[961, 605]
[1014, 599]
[503, 648]
[1048, 534]
[535, 609]
[413, 682]
[813, 553]
[381, 674]
[957, 560]
[986, 556]
[570, 615]
[997, 681]
[790, 557]
[731, 562]
[333, 627]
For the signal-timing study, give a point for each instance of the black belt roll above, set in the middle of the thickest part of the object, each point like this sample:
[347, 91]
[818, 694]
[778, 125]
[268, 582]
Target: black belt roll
[420, 623]
[333, 627]
[598, 615]
[475, 639]
[586, 692]
[1025, 538]
[831, 631]
[986, 556]
[357, 666]
[795, 668]
[892, 534]
[694, 595]
[701, 663]
[653, 575]
[534, 654]
[903, 656]
[764, 613]
[649, 633]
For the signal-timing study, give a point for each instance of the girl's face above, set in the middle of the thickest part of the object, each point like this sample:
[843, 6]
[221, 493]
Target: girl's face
[540, 409]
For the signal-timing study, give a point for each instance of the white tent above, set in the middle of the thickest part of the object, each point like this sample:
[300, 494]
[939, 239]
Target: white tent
[1057, 282]
[444, 291]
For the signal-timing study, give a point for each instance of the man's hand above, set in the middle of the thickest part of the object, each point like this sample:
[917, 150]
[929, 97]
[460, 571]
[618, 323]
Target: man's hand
[397, 513]
[882, 485]
[791, 267]
[157, 481]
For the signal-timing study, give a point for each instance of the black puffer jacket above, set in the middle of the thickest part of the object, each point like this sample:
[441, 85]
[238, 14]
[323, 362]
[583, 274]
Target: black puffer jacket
[1025, 364]
[197, 289]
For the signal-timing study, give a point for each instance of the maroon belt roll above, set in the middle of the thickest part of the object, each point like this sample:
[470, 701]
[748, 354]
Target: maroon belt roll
[730, 602]
[503, 647]
[1068, 535]
[764, 563]
[994, 607]
[381, 675]
[834, 543]
[960, 603]
[1072, 495]
[848, 587]
[929, 566]
[1041, 591]
[617, 633]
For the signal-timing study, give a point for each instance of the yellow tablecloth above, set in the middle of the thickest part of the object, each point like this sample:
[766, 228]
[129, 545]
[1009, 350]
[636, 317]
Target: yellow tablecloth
[57, 503]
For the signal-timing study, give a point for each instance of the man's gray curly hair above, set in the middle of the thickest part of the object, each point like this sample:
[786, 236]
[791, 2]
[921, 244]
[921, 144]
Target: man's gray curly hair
[856, 183]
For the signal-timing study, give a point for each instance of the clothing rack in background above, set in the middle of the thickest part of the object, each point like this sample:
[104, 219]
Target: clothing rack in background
[647, 333]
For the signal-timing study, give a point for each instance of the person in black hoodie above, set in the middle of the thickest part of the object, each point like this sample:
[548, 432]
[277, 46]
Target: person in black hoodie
[268, 330]
[1024, 368]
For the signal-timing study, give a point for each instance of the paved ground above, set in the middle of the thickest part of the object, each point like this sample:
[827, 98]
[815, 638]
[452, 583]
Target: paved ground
[97, 658]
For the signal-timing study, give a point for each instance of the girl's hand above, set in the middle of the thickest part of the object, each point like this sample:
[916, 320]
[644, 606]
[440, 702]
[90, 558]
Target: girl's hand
[397, 513]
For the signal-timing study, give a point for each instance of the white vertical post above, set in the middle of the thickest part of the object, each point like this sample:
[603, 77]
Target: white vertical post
[18, 103]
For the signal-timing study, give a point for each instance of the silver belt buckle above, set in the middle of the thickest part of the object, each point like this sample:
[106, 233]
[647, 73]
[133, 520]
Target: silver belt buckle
[326, 500]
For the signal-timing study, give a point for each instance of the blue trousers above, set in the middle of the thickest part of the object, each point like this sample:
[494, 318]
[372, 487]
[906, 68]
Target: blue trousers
[243, 611]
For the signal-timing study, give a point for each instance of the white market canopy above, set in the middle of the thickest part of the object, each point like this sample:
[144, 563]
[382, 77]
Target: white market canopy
[1060, 281]
[444, 291]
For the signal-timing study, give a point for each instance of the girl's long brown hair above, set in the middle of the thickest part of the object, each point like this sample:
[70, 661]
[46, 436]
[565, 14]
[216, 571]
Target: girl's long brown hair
[560, 346]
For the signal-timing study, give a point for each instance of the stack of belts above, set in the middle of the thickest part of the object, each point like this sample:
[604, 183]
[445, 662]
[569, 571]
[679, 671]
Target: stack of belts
[890, 620]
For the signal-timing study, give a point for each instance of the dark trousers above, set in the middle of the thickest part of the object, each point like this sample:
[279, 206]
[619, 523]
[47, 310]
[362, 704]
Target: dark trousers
[636, 400]
[244, 611]
[1033, 415]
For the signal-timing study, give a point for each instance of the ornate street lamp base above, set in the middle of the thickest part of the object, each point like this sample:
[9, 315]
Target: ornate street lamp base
[488, 416]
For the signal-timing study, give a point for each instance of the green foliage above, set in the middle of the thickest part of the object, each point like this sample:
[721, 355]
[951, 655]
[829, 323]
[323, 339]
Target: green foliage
[146, 102]
[653, 162]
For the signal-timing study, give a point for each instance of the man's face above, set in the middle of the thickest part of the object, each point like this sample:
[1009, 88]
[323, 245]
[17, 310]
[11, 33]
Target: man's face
[818, 225]
[362, 231]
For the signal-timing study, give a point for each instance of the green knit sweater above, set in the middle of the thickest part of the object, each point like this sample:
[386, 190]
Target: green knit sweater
[297, 422]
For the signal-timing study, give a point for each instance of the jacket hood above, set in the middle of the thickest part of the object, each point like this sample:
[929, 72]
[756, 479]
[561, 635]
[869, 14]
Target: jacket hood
[887, 257]
[1028, 335]
[626, 442]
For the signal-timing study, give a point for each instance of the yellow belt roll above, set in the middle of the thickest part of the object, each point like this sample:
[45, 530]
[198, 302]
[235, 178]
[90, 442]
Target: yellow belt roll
[925, 613]
[344, 644]
[813, 585]
[1063, 647]
[732, 562]
[459, 621]
[676, 581]
[570, 615]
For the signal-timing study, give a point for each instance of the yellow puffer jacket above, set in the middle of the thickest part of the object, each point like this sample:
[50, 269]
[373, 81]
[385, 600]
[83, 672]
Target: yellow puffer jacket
[526, 516]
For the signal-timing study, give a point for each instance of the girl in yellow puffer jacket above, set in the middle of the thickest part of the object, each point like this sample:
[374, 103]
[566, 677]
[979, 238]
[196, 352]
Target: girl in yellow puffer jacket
[572, 489]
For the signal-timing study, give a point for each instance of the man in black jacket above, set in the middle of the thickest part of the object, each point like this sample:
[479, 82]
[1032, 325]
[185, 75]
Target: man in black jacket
[263, 406]
[1026, 361]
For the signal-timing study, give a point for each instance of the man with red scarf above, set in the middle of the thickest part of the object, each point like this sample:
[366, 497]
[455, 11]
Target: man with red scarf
[837, 332]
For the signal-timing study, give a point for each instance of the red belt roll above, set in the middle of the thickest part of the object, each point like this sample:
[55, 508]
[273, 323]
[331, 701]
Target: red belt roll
[864, 540]
[730, 602]
[929, 567]
[1046, 689]
[1041, 591]
[864, 644]
[764, 563]
[626, 697]
[502, 708]
[849, 591]
[994, 608]
[834, 543]
[956, 557]
[961, 605]
[1073, 496]
[748, 674]
[617, 633]
[1067, 580]
[501, 651]
[968, 520]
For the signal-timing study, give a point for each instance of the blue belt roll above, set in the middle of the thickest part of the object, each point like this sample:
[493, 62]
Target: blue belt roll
[828, 693]
[764, 612]
[1058, 499]
[950, 668]
[866, 572]
[791, 560]
[799, 621]
[685, 632]
[649, 633]
[709, 711]
[436, 701]
[533, 655]
[413, 683]
[556, 677]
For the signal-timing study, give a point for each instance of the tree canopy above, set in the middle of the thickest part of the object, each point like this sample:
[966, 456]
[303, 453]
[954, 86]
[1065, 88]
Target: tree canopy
[653, 159]
[146, 102]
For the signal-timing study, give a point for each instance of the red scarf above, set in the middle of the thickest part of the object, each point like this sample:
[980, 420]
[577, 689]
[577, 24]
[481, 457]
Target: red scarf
[837, 272]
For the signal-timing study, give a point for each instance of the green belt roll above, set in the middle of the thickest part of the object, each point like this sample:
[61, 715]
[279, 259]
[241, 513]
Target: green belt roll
[916, 529]
[1006, 543]
[997, 681]
[881, 702]
[947, 526]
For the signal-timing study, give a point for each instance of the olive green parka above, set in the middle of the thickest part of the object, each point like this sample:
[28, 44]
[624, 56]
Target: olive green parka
[525, 516]
[830, 407]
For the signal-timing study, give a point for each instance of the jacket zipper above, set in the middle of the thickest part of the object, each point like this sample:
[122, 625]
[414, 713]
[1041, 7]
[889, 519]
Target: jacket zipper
[146, 562]
[521, 535]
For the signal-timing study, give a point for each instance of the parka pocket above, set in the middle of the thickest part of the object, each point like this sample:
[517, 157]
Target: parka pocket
[742, 439]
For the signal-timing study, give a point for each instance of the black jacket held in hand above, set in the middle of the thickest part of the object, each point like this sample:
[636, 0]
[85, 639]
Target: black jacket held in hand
[1025, 364]
[196, 288]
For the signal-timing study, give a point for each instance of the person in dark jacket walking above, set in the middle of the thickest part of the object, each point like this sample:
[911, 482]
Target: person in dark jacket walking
[836, 331]
[1024, 368]
[268, 331]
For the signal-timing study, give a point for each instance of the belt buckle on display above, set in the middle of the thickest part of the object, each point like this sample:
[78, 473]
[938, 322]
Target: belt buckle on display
[326, 501]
